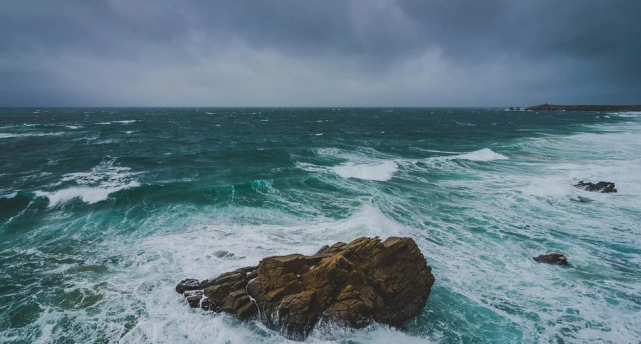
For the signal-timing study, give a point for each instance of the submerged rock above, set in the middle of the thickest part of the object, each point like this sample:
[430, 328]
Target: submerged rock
[350, 285]
[605, 187]
[552, 258]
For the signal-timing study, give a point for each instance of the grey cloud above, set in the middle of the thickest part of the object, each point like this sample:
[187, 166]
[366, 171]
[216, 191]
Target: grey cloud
[493, 52]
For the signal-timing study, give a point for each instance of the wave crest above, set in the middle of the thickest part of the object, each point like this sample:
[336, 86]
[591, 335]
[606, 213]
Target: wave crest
[93, 186]
[381, 171]
[484, 154]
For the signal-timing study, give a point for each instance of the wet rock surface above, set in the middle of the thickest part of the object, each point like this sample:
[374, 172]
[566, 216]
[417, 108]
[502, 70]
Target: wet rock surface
[353, 285]
[552, 258]
[605, 187]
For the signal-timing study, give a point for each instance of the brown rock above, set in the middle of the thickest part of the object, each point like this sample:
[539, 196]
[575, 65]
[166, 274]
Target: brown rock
[346, 284]
[223, 294]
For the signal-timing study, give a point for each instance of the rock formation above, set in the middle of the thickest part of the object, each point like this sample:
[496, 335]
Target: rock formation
[552, 258]
[605, 187]
[350, 285]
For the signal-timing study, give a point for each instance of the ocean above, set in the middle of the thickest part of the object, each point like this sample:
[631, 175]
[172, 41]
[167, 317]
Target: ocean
[104, 210]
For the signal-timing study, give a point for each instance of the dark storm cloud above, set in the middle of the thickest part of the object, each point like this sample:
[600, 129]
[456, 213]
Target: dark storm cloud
[360, 52]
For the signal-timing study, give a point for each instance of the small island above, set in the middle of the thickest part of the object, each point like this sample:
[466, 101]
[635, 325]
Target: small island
[548, 107]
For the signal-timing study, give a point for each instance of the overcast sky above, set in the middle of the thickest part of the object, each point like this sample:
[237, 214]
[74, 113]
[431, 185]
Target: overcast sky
[319, 53]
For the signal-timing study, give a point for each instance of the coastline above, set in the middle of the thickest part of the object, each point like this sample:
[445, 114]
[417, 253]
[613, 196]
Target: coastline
[548, 107]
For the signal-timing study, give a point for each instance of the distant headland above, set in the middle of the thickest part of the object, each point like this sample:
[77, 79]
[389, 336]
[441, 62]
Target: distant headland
[548, 107]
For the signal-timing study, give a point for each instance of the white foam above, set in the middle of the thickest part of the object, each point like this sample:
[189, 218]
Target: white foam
[380, 171]
[367, 164]
[93, 186]
[627, 113]
[484, 154]
[87, 194]
[126, 122]
[104, 123]
[143, 270]
[72, 126]
[310, 167]
[9, 195]
[14, 135]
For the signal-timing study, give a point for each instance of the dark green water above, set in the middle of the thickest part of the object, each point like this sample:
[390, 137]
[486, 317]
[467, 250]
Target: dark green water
[102, 211]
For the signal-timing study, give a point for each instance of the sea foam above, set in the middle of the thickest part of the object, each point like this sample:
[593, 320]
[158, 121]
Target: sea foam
[366, 164]
[15, 135]
[380, 171]
[87, 194]
[93, 186]
[484, 154]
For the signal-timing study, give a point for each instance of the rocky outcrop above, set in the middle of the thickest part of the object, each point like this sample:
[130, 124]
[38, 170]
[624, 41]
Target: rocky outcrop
[605, 187]
[548, 107]
[355, 284]
[552, 258]
[223, 294]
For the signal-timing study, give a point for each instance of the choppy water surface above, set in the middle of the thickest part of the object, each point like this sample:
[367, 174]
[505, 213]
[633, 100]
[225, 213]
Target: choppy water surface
[103, 211]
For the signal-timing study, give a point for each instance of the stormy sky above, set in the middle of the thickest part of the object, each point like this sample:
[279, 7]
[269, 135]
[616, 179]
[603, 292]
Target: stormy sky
[319, 53]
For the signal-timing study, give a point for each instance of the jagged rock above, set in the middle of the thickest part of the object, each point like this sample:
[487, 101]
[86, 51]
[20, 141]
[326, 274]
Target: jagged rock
[351, 285]
[223, 294]
[606, 187]
[552, 258]
[188, 284]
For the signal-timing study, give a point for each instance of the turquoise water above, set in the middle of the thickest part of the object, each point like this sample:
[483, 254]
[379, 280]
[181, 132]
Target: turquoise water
[103, 211]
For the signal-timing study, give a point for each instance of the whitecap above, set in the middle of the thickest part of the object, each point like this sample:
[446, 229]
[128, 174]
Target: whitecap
[9, 196]
[88, 195]
[627, 113]
[310, 167]
[14, 135]
[104, 123]
[484, 154]
[126, 122]
[93, 186]
[380, 171]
